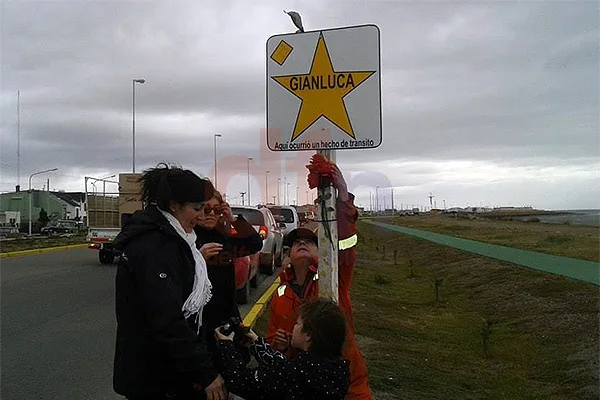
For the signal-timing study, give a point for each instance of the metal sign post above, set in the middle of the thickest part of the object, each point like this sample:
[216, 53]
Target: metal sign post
[328, 237]
[323, 95]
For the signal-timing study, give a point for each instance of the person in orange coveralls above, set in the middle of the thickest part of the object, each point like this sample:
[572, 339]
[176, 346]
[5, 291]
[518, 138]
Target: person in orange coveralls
[298, 282]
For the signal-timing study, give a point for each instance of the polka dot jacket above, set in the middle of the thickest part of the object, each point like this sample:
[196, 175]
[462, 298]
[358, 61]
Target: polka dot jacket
[304, 376]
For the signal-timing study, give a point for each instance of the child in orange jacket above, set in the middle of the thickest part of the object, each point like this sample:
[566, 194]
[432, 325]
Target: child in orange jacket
[299, 283]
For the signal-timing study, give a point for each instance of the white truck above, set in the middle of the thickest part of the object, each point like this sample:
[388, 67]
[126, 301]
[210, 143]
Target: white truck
[107, 210]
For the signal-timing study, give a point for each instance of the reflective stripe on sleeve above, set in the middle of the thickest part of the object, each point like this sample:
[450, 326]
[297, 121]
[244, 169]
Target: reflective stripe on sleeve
[348, 242]
[281, 290]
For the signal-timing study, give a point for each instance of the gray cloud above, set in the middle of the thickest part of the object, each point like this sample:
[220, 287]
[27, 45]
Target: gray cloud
[509, 87]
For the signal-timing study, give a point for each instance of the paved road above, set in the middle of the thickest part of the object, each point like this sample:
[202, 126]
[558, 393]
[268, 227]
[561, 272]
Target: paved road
[58, 326]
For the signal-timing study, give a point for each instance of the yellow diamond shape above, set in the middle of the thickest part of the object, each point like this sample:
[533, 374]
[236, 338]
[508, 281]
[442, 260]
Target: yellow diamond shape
[281, 52]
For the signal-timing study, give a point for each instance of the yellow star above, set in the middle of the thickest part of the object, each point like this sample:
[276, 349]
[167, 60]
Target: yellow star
[322, 92]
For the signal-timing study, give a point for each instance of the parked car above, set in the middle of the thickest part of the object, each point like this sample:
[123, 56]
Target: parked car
[287, 215]
[263, 221]
[61, 227]
[246, 271]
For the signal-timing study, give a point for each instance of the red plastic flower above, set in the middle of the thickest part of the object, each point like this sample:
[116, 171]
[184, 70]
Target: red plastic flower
[320, 172]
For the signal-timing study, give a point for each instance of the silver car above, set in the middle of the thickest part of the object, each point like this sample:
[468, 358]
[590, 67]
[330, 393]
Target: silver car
[263, 221]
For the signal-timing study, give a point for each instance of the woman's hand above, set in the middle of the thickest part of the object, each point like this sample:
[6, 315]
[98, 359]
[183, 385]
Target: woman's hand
[219, 336]
[216, 390]
[281, 340]
[251, 335]
[209, 250]
[227, 213]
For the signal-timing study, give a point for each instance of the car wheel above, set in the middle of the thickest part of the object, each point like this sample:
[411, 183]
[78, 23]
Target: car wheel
[279, 258]
[106, 256]
[243, 294]
[270, 268]
[254, 281]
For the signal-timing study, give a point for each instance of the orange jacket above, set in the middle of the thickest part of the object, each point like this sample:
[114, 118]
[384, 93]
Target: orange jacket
[286, 301]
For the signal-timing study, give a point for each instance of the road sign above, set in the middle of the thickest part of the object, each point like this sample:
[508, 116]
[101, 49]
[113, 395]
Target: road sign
[324, 90]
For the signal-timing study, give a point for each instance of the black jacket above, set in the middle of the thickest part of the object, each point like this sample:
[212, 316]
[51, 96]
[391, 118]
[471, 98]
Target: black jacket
[157, 350]
[221, 270]
[305, 376]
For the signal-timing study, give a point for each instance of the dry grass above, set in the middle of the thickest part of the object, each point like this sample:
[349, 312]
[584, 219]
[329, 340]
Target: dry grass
[575, 241]
[40, 242]
[498, 331]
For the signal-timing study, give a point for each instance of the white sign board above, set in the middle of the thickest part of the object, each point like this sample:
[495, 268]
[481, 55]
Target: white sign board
[324, 90]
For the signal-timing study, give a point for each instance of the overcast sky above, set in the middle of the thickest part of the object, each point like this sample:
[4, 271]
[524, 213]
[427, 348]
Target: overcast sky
[484, 103]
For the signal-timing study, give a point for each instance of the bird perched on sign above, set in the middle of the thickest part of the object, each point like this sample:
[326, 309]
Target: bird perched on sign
[296, 19]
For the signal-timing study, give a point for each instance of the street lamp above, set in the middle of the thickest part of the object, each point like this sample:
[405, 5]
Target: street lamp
[249, 159]
[287, 193]
[278, 189]
[376, 198]
[215, 146]
[31, 176]
[267, 186]
[307, 197]
[140, 81]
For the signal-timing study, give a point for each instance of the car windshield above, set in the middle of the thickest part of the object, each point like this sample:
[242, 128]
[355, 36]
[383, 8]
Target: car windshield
[254, 217]
[286, 213]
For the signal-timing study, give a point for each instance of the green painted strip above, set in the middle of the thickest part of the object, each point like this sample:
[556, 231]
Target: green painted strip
[587, 271]
[42, 250]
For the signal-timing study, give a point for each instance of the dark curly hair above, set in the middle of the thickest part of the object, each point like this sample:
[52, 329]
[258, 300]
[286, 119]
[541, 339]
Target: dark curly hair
[167, 184]
[324, 321]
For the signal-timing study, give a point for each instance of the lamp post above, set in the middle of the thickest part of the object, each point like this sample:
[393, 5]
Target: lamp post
[216, 135]
[249, 159]
[140, 81]
[376, 198]
[287, 193]
[297, 188]
[307, 197]
[278, 189]
[31, 176]
[267, 186]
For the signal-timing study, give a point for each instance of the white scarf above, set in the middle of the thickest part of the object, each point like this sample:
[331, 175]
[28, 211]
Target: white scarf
[201, 291]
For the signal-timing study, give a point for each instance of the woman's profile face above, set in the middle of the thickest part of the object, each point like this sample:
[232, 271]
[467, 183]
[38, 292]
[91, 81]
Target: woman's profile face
[209, 215]
[188, 215]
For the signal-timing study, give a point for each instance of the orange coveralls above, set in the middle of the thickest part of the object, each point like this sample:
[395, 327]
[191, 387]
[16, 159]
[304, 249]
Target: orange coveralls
[286, 301]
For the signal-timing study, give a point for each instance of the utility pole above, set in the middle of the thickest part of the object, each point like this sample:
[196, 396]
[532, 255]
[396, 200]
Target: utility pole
[278, 189]
[431, 196]
[18, 140]
[392, 199]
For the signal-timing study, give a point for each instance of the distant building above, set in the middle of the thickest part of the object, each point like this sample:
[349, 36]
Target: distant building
[58, 205]
[10, 222]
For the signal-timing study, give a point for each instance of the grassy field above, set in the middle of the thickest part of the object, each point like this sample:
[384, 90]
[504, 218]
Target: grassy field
[40, 242]
[491, 330]
[575, 241]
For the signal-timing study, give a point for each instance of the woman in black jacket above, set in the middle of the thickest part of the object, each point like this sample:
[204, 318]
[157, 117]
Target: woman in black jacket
[162, 287]
[222, 237]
